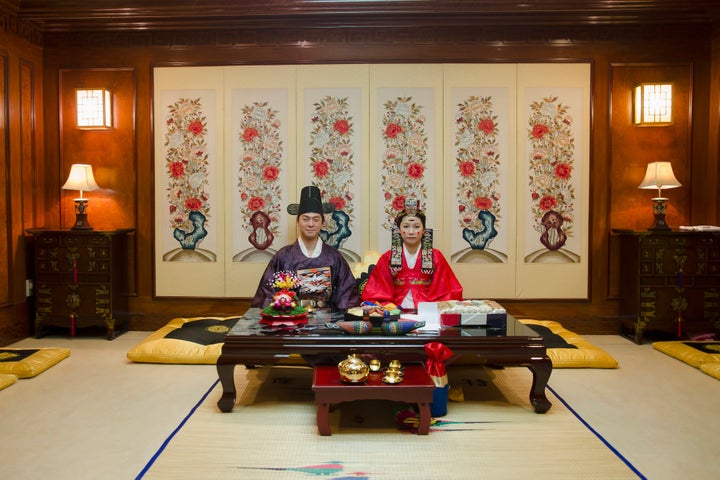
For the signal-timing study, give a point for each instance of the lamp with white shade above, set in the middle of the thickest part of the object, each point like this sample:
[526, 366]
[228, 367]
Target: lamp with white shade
[659, 175]
[81, 178]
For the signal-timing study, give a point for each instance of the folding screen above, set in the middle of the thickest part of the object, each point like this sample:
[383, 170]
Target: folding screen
[496, 154]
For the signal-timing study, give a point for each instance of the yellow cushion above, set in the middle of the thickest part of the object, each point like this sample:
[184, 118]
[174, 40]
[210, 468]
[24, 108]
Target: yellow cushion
[195, 340]
[7, 379]
[682, 350]
[586, 355]
[712, 369]
[28, 362]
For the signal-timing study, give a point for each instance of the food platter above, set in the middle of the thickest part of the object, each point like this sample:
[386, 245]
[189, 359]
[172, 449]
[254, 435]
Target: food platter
[375, 314]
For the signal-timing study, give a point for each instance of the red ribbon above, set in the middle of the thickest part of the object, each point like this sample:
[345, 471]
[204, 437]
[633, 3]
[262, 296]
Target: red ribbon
[437, 353]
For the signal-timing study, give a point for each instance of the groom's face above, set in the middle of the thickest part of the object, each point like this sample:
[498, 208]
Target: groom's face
[309, 225]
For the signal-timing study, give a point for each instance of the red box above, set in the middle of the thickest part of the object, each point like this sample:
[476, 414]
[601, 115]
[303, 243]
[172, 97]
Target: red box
[492, 320]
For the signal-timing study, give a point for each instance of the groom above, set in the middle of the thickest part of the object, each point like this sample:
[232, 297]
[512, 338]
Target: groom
[327, 280]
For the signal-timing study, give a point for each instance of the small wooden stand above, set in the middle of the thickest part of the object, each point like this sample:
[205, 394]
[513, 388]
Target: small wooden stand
[416, 387]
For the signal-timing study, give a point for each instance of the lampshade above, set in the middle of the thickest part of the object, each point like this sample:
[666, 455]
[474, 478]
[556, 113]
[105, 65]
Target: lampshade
[81, 178]
[659, 175]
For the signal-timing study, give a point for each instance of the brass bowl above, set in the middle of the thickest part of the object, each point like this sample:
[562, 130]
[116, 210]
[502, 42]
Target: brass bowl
[375, 365]
[395, 364]
[392, 377]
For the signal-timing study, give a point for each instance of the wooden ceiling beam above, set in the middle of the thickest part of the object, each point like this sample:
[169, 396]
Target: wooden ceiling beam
[107, 15]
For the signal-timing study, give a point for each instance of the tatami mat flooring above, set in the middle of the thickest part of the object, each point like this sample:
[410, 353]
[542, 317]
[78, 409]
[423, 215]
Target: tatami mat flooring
[97, 415]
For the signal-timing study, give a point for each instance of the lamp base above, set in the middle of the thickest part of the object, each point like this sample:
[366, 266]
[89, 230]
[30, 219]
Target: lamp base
[659, 209]
[659, 223]
[81, 222]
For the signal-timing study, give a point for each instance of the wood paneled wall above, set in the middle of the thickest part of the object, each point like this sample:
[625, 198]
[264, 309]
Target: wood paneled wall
[633, 147]
[6, 240]
[686, 52]
[111, 151]
[21, 168]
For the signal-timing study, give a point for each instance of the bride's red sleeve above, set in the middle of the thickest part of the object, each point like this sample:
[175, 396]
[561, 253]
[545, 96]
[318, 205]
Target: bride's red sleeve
[445, 285]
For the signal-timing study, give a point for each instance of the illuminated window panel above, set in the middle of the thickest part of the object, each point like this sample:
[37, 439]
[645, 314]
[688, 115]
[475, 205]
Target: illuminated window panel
[653, 104]
[94, 108]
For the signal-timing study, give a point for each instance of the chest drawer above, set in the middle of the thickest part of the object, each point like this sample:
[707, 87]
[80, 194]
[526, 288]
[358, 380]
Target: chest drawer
[81, 279]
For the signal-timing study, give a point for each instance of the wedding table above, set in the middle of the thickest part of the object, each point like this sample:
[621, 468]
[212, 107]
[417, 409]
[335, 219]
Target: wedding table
[253, 344]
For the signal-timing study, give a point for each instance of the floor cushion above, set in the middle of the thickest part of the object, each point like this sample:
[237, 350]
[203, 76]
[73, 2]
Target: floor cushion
[28, 362]
[567, 349]
[7, 379]
[712, 369]
[690, 352]
[195, 340]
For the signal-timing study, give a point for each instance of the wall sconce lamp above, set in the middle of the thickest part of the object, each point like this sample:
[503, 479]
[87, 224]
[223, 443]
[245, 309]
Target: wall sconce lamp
[81, 178]
[659, 175]
[652, 104]
[94, 108]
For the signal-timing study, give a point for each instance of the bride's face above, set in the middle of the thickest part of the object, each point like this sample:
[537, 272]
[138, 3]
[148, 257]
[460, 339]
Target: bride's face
[411, 231]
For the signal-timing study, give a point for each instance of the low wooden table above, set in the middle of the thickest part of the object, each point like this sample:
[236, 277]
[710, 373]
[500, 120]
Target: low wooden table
[416, 387]
[251, 344]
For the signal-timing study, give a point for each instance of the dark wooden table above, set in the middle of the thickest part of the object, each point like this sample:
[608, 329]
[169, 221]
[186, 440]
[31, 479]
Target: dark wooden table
[251, 344]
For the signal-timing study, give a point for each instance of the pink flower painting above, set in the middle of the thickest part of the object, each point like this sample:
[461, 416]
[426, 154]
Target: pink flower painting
[186, 161]
[259, 172]
[332, 164]
[550, 177]
[404, 161]
[477, 157]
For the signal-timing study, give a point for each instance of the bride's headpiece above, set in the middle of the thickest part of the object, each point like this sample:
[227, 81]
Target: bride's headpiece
[396, 247]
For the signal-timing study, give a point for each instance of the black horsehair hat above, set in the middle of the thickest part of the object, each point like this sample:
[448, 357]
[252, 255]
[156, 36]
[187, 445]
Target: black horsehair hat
[310, 202]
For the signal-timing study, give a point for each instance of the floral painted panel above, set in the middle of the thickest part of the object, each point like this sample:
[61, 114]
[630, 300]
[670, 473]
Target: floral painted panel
[481, 213]
[332, 131]
[554, 171]
[406, 136]
[188, 154]
[259, 168]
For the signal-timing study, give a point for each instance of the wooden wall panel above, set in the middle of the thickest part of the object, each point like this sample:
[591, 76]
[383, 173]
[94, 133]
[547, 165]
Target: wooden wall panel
[28, 147]
[5, 187]
[111, 152]
[633, 147]
[21, 130]
[712, 209]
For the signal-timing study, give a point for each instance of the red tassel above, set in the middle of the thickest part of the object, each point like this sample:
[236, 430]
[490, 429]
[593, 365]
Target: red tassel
[72, 324]
[75, 271]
